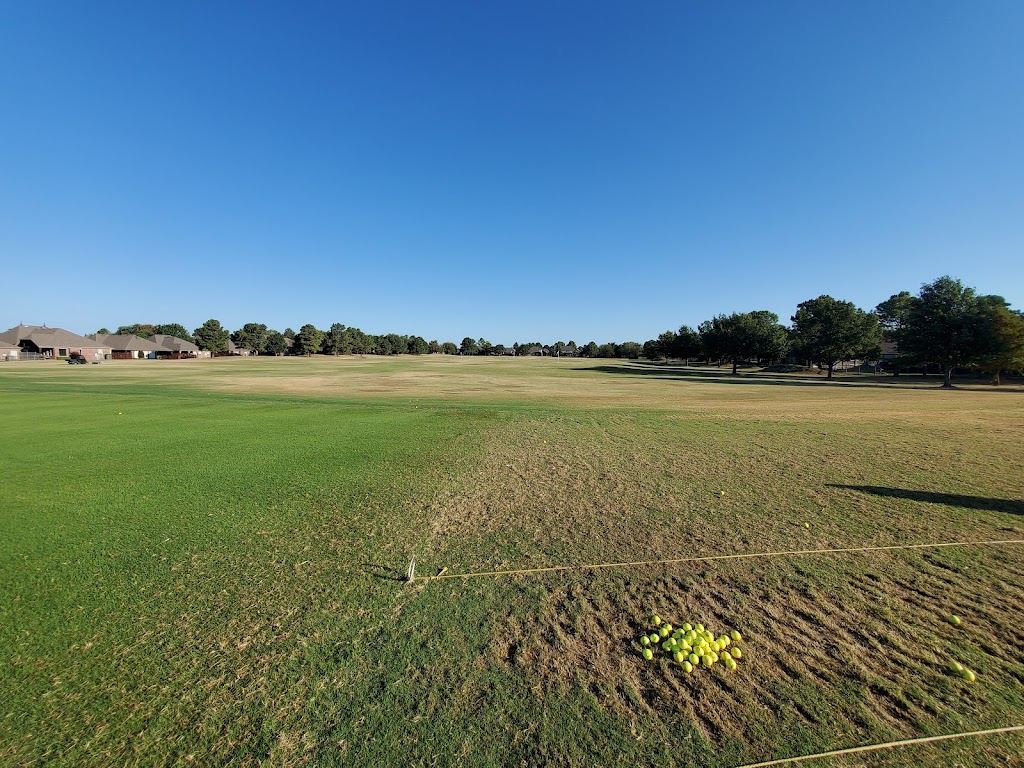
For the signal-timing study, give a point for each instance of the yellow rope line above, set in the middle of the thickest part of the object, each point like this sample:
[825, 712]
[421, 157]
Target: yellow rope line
[595, 566]
[886, 745]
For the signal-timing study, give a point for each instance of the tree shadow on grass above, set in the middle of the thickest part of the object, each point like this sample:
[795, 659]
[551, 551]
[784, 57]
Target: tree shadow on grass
[724, 376]
[1014, 507]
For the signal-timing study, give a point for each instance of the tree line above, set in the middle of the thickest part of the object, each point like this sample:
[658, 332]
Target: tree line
[343, 340]
[946, 325]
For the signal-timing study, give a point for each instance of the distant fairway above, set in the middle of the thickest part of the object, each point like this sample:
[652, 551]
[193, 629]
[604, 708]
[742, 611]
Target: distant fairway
[202, 561]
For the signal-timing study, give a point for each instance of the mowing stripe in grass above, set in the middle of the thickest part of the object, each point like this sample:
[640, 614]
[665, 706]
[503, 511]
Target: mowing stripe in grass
[785, 553]
[886, 745]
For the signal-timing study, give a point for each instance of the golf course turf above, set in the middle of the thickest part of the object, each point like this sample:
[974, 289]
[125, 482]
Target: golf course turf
[203, 561]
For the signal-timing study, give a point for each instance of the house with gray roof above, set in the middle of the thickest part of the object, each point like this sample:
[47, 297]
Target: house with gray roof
[129, 347]
[54, 342]
[177, 349]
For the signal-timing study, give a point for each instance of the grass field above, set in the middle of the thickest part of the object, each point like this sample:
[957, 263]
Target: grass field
[202, 561]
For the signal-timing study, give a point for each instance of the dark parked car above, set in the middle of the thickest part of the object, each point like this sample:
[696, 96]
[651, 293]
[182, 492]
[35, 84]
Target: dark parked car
[77, 359]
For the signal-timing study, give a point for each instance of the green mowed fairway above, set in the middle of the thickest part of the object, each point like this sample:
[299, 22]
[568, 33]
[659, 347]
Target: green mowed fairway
[204, 561]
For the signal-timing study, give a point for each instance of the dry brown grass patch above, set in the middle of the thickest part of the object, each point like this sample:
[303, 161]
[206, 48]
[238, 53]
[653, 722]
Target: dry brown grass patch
[855, 644]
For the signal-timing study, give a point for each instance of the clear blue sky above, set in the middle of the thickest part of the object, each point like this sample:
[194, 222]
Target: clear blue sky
[520, 170]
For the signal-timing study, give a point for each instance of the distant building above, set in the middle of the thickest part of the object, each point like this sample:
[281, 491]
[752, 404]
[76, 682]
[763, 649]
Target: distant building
[129, 346]
[177, 349]
[54, 342]
[9, 351]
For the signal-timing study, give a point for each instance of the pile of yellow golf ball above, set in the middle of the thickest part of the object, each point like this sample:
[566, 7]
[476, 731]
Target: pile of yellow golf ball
[690, 645]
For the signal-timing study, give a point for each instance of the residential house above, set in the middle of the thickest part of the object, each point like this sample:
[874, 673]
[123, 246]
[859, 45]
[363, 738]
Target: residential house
[234, 349]
[9, 351]
[177, 349]
[54, 342]
[129, 347]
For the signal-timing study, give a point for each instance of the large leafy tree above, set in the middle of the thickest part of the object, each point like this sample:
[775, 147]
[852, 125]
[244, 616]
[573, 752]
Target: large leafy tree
[337, 340]
[712, 339]
[308, 340]
[629, 349]
[173, 329]
[769, 338]
[142, 330]
[666, 346]
[893, 314]
[1000, 337]
[652, 350]
[252, 336]
[212, 336]
[449, 348]
[468, 346]
[392, 344]
[687, 344]
[417, 345]
[276, 344]
[942, 326]
[892, 319]
[661, 348]
[828, 331]
[744, 336]
[361, 343]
